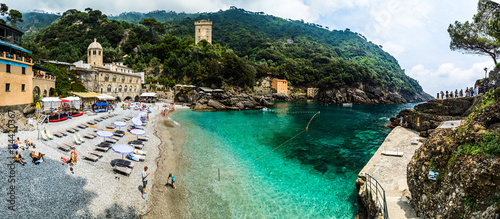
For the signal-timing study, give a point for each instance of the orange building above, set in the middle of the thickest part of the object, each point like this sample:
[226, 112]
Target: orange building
[280, 85]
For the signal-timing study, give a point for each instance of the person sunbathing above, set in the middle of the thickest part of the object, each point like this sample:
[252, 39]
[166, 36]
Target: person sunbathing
[30, 144]
[37, 158]
[17, 143]
[17, 157]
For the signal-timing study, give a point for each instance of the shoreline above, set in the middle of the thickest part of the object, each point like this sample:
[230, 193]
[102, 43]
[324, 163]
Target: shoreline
[167, 202]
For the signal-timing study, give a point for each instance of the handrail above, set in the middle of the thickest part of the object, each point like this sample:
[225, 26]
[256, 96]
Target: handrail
[374, 187]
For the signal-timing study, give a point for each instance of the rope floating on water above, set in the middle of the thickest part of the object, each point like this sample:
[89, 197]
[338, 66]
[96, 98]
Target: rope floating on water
[279, 146]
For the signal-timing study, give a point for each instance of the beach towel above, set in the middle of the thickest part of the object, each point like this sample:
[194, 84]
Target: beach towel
[134, 157]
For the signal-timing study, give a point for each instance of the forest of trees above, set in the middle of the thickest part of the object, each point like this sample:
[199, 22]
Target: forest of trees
[246, 46]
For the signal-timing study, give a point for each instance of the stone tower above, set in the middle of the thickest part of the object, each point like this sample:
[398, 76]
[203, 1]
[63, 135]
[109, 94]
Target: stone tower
[203, 30]
[94, 54]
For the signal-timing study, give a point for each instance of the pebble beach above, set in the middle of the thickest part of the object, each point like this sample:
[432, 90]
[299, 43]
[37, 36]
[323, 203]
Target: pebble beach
[93, 189]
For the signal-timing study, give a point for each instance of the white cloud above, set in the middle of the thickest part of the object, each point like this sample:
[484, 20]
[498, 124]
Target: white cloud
[447, 76]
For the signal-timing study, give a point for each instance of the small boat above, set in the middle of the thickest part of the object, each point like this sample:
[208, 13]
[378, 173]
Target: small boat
[58, 120]
[347, 104]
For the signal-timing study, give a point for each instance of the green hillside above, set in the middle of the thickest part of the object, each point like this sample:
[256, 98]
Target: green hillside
[305, 54]
[34, 21]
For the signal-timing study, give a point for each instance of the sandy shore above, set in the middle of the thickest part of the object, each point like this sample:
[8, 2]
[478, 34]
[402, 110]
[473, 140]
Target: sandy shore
[94, 190]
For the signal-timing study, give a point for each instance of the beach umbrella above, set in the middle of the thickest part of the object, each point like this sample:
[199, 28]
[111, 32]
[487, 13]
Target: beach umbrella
[137, 122]
[123, 149]
[120, 124]
[104, 134]
[143, 114]
[137, 132]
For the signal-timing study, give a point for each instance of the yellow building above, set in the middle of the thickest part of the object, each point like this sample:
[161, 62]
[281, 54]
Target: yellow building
[280, 85]
[114, 79]
[312, 92]
[16, 70]
[203, 31]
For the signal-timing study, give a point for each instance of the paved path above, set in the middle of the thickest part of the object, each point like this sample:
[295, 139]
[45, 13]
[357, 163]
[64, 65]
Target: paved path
[450, 124]
[390, 171]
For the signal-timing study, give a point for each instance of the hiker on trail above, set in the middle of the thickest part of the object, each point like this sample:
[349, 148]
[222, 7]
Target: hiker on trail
[437, 96]
[442, 95]
[144, 181]
[447, 95]
[456, 93]
[461, 93]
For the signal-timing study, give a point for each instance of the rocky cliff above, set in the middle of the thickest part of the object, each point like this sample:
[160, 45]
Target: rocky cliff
[456, 172]
[426, 117]
[369, 95]
[234, 100]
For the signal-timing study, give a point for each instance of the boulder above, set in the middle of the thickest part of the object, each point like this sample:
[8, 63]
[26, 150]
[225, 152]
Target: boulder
[215, 104]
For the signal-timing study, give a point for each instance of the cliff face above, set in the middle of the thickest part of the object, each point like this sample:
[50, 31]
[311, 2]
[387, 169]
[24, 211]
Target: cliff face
[467, 161]
[432, 113]
[369, 95]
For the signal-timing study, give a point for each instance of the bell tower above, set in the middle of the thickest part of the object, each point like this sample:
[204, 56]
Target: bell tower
[94, 54]
[203, 31]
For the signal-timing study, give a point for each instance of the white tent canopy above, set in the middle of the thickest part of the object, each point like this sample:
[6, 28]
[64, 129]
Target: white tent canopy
[73, 101]
[50, 102]
[148, 95]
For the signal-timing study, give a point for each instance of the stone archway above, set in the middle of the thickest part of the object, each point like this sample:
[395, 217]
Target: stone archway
[136, 98]
[36, 91]
[52, 92]
[118, 99]
[44, 93]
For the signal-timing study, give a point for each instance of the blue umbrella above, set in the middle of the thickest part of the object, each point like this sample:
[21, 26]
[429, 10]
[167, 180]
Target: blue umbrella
[137, 132]
[123, 149]
[137, 122]
[120, 123]
[104, 134]
[143, 114]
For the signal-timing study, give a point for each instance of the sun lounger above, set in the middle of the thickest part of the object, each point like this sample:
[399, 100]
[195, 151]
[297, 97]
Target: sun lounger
[110, 127]
[89, 136]
[96, 153]
[126, 163]
[58, 134]
[91, 157]
[138, 146]
[101, 148]
[65, 133]
[140, 152]
[82, 126]
[63, 147]
[80, 138]
[115, 138]
[136, 157]
[49, 135]
[142, 138]
[105, 144]
[44, 137]
[118, 134]
[110, 140]
[72, 146]
[123, 169]
[78, 142]
[70, 130]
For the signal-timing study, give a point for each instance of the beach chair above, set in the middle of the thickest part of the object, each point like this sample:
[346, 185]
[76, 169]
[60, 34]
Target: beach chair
[44, 137]
[82, 126]
[91, 157]
[101, 148]
[72, 146]
[143, 138]
[63, 147]
[70, 130]
[79, 137]
[111, 126]
[136, 157]
[137, 146]
[64, 133]
[123, 169]
[49, 135]
[118, 133]
[110, 140]
[58, 134]
[96, 153]
[104, 144]
[140, 152]
[126, 163]
[78, 142]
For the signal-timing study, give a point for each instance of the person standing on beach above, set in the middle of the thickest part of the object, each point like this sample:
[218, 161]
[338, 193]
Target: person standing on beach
[170, 175]
[144, 181]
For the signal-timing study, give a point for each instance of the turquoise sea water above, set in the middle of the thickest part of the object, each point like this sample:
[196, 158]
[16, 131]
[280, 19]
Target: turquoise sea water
[311, 176]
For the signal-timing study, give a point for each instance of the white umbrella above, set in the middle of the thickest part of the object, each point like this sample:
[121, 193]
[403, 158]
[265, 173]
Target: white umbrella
[137, 132]
[104, 134]
[120, 123]
[123, 149]
[137, 122]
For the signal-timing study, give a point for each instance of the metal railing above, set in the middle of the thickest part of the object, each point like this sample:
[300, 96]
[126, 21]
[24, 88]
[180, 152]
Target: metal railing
[375, 190]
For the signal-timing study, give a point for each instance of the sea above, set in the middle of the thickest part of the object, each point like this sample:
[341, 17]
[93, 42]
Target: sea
[296, 160]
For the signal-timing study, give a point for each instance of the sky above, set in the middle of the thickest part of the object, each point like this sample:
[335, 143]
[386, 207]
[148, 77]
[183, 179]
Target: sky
[413, 31]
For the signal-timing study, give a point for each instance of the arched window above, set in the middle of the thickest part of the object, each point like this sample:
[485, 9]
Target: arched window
[94, 52]
[125, 88]
[109, 87]
[135, 88]
[114, 78]
[106, 78]
[90, 53]
[123, 79]
[99, 52]
[120, 88]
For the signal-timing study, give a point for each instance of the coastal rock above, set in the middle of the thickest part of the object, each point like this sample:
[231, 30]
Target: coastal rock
[21, 122]
[468, 183]
[201, 107]
[215, 104]
[367, 95]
